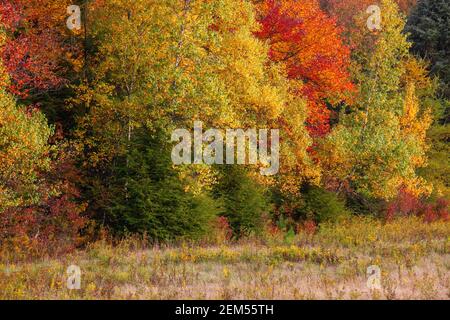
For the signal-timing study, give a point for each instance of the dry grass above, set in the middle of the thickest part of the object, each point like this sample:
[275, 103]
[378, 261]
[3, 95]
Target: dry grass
[332, 264]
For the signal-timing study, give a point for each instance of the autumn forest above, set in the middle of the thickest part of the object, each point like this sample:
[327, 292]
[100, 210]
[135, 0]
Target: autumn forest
[91, 92]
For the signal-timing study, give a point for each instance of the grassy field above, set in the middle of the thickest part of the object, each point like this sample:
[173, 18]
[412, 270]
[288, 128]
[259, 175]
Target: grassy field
[331, 264]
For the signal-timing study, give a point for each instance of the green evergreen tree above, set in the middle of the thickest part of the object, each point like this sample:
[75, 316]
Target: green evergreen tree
[244, 201]
[321, 205]
[148, 195]
[429, 30]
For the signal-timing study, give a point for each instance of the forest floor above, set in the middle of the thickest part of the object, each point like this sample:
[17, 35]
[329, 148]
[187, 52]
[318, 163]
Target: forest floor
[413, 258]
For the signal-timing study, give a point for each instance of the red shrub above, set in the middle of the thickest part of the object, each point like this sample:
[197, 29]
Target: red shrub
[310, 227]
[222, 231]
[407, 204]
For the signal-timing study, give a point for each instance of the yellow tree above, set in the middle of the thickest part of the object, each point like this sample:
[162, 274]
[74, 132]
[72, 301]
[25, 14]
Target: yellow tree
[373, 151]
[167, 64]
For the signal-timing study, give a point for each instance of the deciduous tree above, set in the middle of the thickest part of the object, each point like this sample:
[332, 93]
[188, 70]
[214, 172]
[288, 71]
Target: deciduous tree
[309, 43]
[378, 147]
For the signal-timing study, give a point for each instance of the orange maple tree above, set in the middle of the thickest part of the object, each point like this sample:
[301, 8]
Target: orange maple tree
[308, 41]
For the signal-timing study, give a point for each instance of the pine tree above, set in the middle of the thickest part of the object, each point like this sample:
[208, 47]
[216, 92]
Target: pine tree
[149, 196]
[429, 31]
[243, 200]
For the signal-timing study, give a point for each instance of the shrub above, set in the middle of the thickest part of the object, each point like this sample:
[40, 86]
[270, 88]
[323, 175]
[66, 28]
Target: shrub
[406, 204]
[221, 231]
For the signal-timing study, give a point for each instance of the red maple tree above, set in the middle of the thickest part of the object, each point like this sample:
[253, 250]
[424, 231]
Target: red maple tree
[35, 46]
[301, 35]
